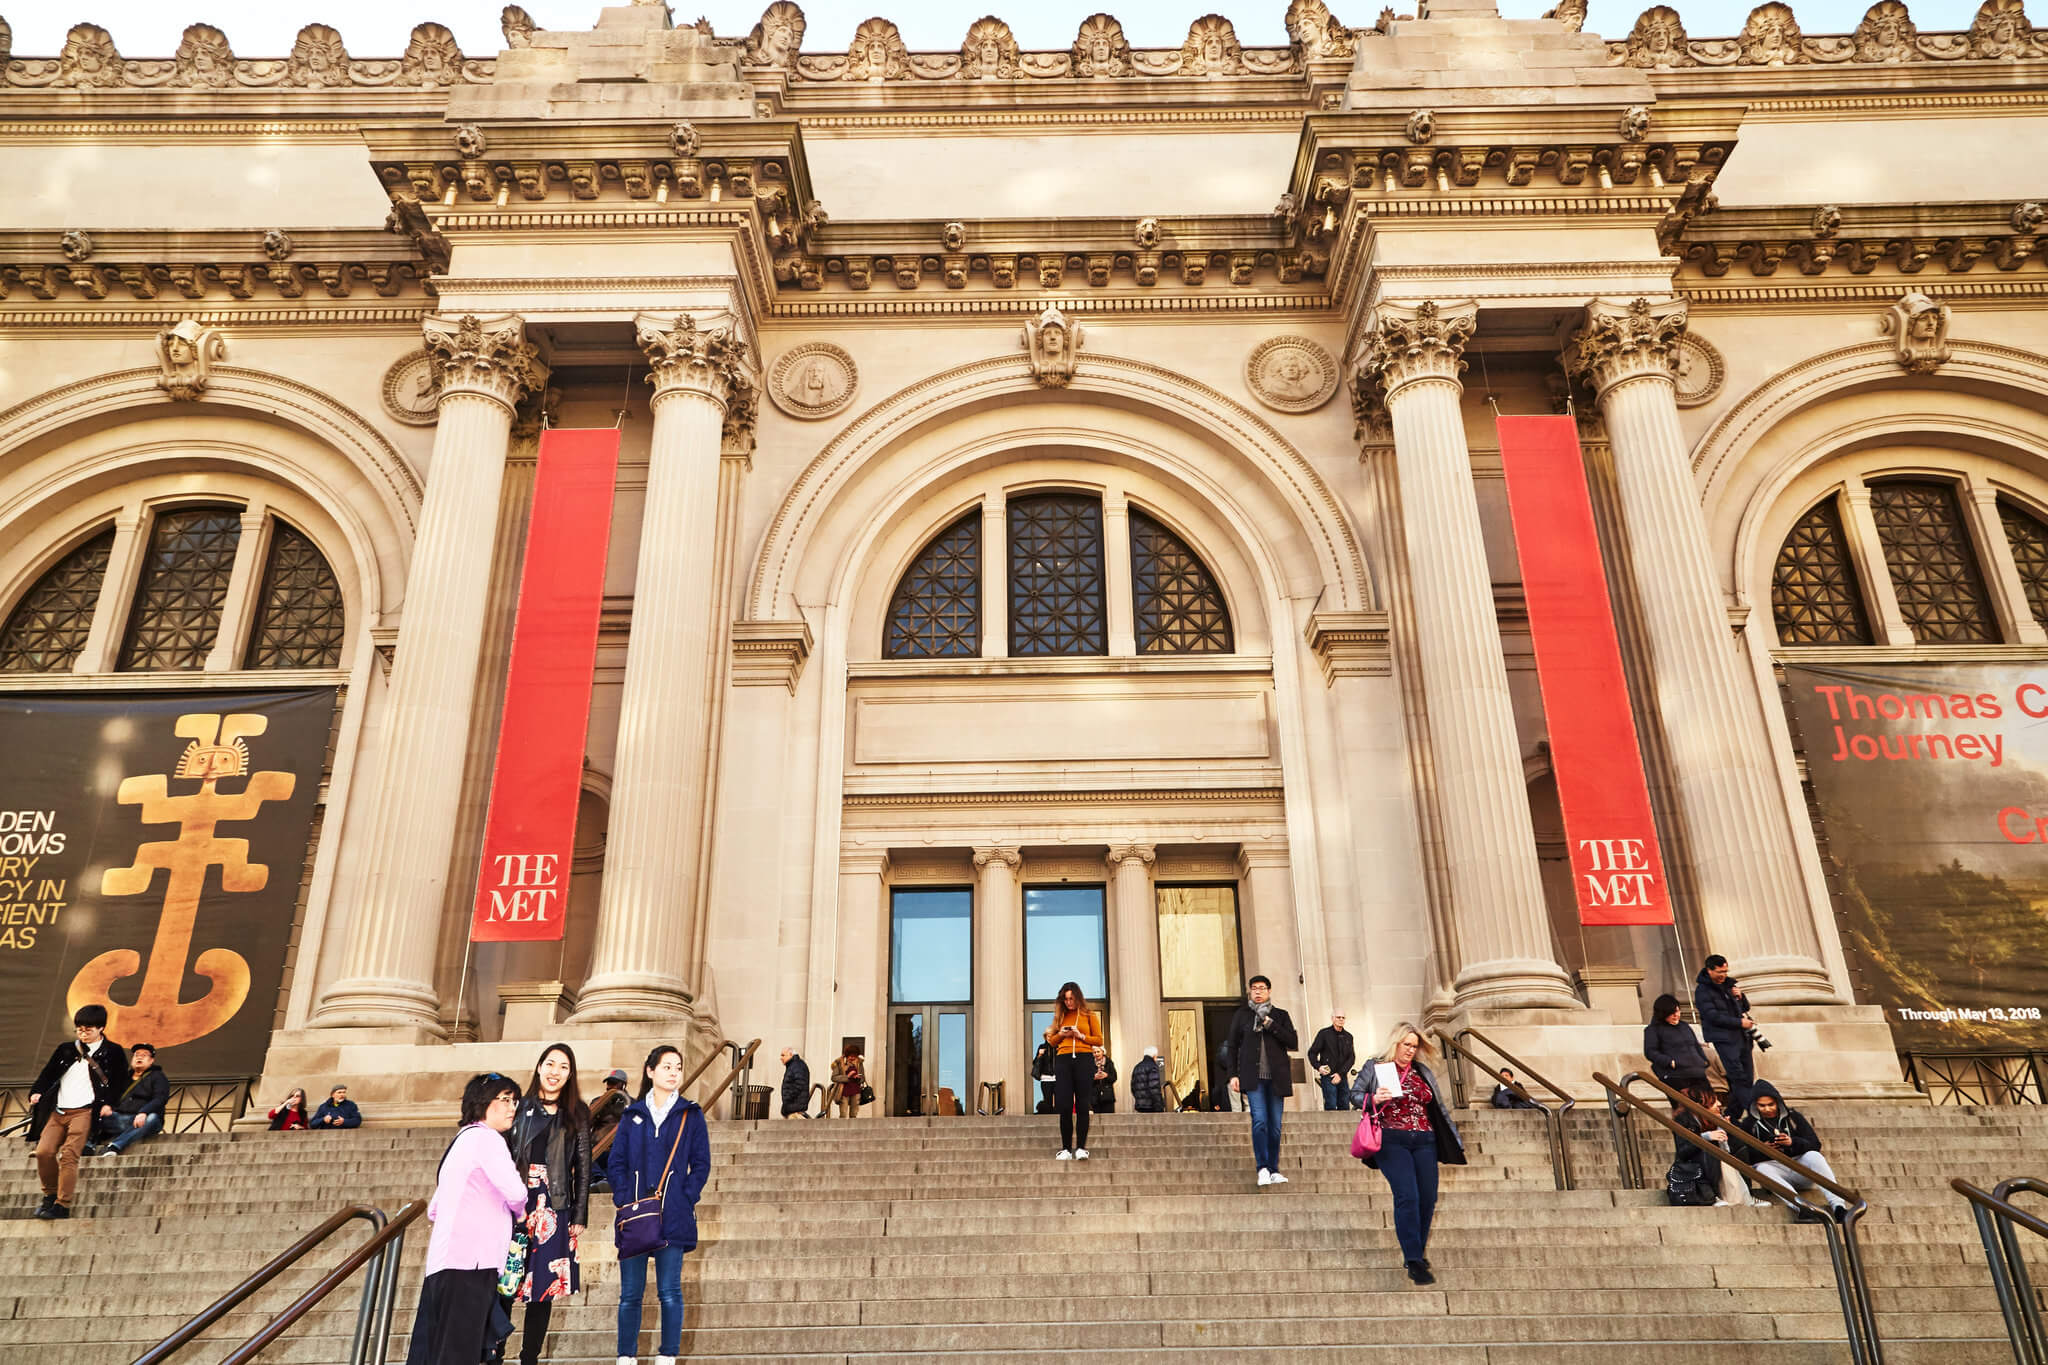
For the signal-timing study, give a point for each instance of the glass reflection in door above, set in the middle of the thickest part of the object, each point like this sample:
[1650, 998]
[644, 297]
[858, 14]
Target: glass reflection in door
[930, 1065]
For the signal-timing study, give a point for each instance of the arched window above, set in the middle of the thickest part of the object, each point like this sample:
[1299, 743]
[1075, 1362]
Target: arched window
[2029, 540]
[300, 619]
[47, 630]
[1056, 589]
[1178, 606]
[184, 585]
[1813, 584]
[936, 612]
[1933, 567]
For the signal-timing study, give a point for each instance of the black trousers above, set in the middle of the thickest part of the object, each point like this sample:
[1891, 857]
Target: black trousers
[536, 1334]
[1073, 1092]
[454, 1313]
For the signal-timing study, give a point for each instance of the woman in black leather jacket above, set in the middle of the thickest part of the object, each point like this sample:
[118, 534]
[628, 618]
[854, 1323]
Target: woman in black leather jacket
[551, 1146]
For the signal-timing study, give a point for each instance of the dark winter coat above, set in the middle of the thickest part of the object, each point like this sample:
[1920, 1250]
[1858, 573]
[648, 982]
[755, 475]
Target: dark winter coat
[1241, 1050]
[1104, 1100]
[1720, 1012]
[149, 1093]
[1334, 1050]
[109, 1073]
[346, 1111]
[1504, 1098]
[1450, 1148]
[796, 1086]
[568, 1157]
[639, 1153]
[604, 1119]
[1675, 1053]
[1790, 1122]
[1148, 1086]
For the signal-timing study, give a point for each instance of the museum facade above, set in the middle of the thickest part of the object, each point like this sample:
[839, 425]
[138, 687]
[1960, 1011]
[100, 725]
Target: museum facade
[1059, 529]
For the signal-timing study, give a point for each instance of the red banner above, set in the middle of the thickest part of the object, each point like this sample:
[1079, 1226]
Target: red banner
[1617, 870]
[530, 835]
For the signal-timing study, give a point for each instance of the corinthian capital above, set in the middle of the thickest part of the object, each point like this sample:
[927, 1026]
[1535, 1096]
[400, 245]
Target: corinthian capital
[1404, 344]
[710, 362]
[486, 356]
[1621, 342]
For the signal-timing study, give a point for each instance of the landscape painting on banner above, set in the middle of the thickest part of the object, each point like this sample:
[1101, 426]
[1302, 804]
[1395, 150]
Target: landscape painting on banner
[152, 849]
[1932, 783]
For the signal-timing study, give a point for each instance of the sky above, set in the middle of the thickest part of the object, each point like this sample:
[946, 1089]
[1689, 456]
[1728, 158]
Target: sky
[378, 28]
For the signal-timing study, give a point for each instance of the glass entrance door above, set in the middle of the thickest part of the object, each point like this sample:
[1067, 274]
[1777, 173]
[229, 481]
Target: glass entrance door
[1201, 976]
[929, 1061]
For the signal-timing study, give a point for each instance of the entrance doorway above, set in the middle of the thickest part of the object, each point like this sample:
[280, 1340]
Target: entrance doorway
[931, 990]
[929, 1060]
[1201, 976]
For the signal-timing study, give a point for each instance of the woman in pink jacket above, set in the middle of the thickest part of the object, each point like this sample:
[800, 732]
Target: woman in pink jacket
[476, 1197]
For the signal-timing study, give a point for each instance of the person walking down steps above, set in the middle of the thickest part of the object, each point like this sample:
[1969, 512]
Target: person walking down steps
[1255, 1054]
[1416, 1136]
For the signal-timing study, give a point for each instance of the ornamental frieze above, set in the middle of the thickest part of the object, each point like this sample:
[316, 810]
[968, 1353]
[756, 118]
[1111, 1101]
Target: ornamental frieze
[204, 60]
[2000, 31]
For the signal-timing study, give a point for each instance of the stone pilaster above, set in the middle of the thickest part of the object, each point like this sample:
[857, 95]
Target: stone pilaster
[1502, 927]
[640, 969]
[1001, 1051]
[485, 366]
[1137, 1016]
[1752, 900]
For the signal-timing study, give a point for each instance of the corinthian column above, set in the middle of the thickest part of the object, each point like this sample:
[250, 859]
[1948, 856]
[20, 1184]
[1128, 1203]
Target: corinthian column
[1138, 1018]
[703, 387]
[485, 365]
[1414, 355]
[1001, 1051]
[1752, 900]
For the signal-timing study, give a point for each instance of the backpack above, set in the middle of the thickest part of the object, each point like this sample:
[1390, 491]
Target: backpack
[1686, 1184]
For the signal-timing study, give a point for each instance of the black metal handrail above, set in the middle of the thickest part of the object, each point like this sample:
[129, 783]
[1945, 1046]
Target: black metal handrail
[994, 1098]
[743, 1062]
[1997, 1216]
[717, 1051]
[1553, 1118]
[1852, 1284]
[382, 1252]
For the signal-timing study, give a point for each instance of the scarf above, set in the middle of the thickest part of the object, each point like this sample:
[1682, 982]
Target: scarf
[1260, 1013]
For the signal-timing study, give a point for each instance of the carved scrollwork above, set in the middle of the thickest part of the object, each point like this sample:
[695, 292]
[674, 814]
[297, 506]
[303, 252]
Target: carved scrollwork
[1316, 33]
[712, 362]
[1051, 344]
[486, 356]
[1619, 343]
[989, 52]
[775, 40]
[1100, 48]
[186, 354]
[1211, 48]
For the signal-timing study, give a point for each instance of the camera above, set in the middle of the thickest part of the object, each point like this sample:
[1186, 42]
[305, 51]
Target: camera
[1756, 1036]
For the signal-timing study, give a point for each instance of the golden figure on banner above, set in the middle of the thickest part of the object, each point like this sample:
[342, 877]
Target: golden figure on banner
[158, 1015]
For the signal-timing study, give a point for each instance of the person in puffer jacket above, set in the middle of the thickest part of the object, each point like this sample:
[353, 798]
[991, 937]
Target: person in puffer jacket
[1148, 1084]
[1673, 1049]
[1776, 1124]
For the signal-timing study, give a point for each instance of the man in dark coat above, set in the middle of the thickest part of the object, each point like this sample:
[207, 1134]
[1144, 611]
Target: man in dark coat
[1333, 1054]
[337, 1111]
[1148, 1084]
[796, 1085]
[604, 1125]
[1042, 1072]
[77, 1085]
[1674, 1052]
[1256, 1058]
[1726, 1025]
[1506, 1096]
[139, 1113]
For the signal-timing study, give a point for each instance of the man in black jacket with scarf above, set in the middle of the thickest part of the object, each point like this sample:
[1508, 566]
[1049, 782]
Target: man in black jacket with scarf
[139, 1113]
[1255, 1055]
[1725, 1023]
[79, 1083]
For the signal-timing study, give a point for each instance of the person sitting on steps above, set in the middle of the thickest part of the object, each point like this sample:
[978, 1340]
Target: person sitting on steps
[139, 1114]
[337, 1111]
[1776, 1124]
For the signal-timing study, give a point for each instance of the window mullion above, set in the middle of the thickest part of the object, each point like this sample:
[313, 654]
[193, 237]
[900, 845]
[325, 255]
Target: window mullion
[1866, 550]
[2016, 622]
[117, 591]
[245, 581]
[1116, 548]
[995, 576]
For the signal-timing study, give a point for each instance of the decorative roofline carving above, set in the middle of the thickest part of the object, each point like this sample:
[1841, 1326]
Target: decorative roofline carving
[1887, 35]
[204, 60]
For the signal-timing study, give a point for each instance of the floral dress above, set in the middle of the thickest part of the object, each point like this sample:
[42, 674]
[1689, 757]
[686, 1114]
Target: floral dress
[552, 1270]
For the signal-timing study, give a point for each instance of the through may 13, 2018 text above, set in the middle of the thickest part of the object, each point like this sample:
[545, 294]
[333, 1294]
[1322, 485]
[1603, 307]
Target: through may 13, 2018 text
[1970, 1016]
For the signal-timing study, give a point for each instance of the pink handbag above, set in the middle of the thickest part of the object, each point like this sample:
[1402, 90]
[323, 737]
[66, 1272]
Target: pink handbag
[1366, 1141]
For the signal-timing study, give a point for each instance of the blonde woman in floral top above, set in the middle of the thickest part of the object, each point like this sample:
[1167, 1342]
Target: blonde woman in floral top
[1416, 1135]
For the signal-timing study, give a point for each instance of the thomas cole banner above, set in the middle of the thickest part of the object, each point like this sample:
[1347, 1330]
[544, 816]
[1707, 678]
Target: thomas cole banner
[152, 848]
[1617, 869]
[530, 833]
[1932, 783]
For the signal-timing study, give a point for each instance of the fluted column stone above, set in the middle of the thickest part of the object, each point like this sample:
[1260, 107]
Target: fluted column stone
[1137, 1012]
[1752, 898]
[703, 386]
[1414, 356]
[1001, 1051]
[484, 366]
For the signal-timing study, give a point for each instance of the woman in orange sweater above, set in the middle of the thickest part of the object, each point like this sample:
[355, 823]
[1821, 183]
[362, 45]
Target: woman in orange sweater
[1074, 1035]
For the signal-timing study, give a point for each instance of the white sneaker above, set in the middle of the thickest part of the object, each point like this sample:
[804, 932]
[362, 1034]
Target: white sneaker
[1278, 1179]
[628, 1360]
[1063, 1155]
[1265, 1177]
[1080, 1154]
[664, 1360]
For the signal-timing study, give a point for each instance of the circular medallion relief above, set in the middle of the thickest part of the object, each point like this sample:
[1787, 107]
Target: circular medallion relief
[813, 380]
[412, 392]
[1291, 374]
[1699, 373]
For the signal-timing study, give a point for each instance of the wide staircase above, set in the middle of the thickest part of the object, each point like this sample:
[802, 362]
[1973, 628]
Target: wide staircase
[961, 1241]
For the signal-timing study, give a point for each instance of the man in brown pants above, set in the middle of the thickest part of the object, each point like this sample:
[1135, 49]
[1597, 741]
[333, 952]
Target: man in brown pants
[77, 1085]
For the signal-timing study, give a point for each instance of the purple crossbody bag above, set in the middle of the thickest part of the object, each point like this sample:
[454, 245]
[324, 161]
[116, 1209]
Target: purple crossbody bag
[637, 1225]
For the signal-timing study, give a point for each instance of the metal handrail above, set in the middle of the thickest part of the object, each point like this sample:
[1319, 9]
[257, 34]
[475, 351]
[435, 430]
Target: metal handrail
[994, 1098]
[380, 1290]
[1996, 1217]
[717, 1050]
[11, 1129]
[262, 1276]
[1553, 1119]
[821, 1091]
[744, 1062]
[1852, 1284]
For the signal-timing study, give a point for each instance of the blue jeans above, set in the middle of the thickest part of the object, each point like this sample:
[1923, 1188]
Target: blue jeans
[1408, 1161]
[1336, 1093]
[119, 1132]
[1266, 1102]
[668, 1288]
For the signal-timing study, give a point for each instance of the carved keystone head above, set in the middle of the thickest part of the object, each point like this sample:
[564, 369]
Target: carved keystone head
[684, 140]
[470, 142]
[277, 244]
[1635, 123]
[1421, 126]
[76, 246]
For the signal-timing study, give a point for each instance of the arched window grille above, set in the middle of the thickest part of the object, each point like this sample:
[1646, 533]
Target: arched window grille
[300, 617]
[1179, 608]
[47, 630]
[1933, 567]
[1056, 588]
[184, 586]
[936, 612]
[2029, 540]
[1814, 598]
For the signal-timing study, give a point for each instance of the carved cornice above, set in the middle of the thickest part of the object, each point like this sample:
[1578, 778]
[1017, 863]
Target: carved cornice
[146, 265]
[205, 62]
[1857, 239]
[1621, 342]
[709, 362]
[1065, 796]
[2000, 32]
[1351, 644]
[490, 357]
[769, 653]
[1404, 345]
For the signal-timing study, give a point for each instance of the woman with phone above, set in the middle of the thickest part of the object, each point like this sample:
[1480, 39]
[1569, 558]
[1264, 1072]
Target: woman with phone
[1075, 1035]
[664, 1149]
[1416, 1135]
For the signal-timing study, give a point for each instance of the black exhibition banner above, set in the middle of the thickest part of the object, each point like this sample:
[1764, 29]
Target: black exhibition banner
[151, 851]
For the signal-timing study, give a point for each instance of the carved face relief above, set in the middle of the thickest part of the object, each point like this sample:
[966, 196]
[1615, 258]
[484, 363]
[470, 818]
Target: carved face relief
[1886, 34]
[318, 58]
[185, 354]
[1050, 343]
[776, 39]
[1771, 37]
[1100, 48]
[2000, 29]
[1920, 328]
[990, 51]
[1291, 374]
[89, 58]
[1211, 48]
[1658, 40]
[813, 380]
[877, 52]
[204, 58]
[431, 58]
[412, 390]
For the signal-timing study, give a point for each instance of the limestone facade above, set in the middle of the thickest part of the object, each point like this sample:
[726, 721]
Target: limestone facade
[1219, 329]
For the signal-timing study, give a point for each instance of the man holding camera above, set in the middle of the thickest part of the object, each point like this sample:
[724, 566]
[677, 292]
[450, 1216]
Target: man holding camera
[1728, 1029]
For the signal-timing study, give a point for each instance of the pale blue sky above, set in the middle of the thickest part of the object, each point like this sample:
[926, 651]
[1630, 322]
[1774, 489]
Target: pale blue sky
[378, 28]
